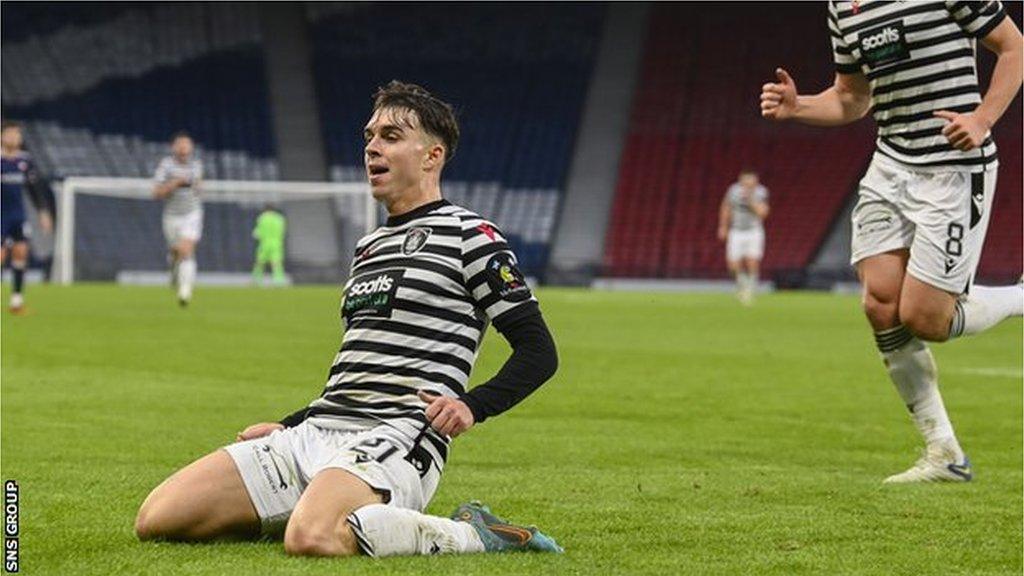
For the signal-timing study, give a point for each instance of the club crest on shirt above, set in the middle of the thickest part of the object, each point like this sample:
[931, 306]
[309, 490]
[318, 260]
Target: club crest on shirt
[505, 279]
[415, 238]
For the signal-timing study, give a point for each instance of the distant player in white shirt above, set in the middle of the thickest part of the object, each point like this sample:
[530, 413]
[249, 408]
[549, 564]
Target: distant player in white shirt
[925, 201]
[741, 227]
[177, 182]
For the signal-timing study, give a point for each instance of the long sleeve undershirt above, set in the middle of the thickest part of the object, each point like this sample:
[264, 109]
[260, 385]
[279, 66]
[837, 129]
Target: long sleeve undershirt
[533, 361]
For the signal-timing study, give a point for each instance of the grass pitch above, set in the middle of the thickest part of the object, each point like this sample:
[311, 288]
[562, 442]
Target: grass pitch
[683, 434]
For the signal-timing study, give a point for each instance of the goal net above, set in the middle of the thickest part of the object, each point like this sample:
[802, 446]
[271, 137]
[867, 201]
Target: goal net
[110, 229]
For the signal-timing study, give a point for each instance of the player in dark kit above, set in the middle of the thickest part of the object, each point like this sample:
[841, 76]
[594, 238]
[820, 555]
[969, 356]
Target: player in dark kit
[352, 471]
[18, 176]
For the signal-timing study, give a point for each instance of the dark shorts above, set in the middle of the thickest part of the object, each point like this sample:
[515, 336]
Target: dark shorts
[14, 230]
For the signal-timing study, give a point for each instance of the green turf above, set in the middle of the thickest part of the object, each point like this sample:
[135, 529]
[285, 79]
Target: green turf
[683, 434]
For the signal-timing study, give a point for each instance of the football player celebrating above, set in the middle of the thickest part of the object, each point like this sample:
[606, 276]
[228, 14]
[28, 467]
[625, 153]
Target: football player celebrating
[351, 472]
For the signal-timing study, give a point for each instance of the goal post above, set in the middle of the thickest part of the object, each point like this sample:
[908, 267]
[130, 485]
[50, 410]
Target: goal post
[110, 225]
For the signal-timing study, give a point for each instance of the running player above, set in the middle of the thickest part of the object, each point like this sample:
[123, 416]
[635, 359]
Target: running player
[177, 182]
[741, 227]
[19, 175]
[925, 201]
[351, 472]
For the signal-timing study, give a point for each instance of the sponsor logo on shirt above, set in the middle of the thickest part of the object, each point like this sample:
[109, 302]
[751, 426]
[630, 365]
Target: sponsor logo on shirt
[884, 44]
[371, 294]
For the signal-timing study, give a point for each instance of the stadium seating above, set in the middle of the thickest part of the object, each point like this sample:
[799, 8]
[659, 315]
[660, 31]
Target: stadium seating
[518, 83]
[102, 93]
[696, 123]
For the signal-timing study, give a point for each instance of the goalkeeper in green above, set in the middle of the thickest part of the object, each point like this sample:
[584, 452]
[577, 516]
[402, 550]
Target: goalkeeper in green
[269, 234]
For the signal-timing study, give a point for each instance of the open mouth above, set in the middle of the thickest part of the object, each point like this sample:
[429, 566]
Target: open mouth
[377, 170]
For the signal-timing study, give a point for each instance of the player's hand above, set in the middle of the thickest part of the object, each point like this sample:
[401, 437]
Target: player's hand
[448, 416]
[722, 234]
[46, 221]
[778, 99]
[965, 131]
[259, 430]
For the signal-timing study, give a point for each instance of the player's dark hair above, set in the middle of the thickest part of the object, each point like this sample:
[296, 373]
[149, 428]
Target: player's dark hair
[4, 125]
[180, 134]
[748, 172]
[436, 116]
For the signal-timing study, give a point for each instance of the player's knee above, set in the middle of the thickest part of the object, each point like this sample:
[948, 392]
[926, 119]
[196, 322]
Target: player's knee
[150, 524]
[305, 540]
[19, 253]
[927, 324]
[882, 311]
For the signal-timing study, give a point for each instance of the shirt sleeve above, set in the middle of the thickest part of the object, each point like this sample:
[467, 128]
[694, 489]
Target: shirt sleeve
[492, 276]
[36, 186]
[197, 171]
[842, 54]
[977, 18]
[160, 176]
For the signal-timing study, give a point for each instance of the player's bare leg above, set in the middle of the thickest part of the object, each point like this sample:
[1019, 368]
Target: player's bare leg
[205, 500]
[912, 370]
[19, 262]
[172, 262]
[752, 266]
[926, 310]
[736, 269]
[936, 315]
[185, 250]
[319, 524]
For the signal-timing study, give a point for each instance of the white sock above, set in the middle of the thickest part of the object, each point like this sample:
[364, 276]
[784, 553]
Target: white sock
[742, 281]
[912, 369]
[186, 277]
[383, 530]
[984, 307]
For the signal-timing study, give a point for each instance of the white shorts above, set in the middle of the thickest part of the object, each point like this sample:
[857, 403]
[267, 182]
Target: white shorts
[186, 227]
[744, 244]
[941, 217]
[277, 468]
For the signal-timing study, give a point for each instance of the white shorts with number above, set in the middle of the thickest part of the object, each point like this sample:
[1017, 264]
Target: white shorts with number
[742, 244]
[277, 468]
[185, 227]
[940, 216]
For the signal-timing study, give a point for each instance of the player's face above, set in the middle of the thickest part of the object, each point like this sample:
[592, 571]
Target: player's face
[395, 152]
[748, 181]
[182, 147]
[11, 138]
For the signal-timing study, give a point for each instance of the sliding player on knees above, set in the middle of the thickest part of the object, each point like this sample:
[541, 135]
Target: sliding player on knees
[177, 182]
[19, 176]
[352, 472]
[926, 200]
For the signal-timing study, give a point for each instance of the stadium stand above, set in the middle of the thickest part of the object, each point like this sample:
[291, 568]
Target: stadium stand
[695, 124]
[101, 94]
[519, 97]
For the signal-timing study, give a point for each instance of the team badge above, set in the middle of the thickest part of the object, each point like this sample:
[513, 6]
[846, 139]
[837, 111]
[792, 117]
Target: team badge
[415, 238]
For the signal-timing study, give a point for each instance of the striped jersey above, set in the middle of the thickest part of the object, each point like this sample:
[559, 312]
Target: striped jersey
[421, 292]
[183, 200]
[742, 216]
[919, 57]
